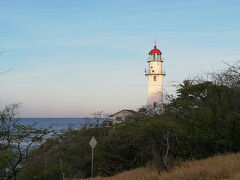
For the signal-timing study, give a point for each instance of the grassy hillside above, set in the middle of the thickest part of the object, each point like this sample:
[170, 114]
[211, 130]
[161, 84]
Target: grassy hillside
[218, 167]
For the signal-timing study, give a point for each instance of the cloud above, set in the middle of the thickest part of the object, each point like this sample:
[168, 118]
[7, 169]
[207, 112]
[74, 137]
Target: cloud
[3, 52]
[32, 74]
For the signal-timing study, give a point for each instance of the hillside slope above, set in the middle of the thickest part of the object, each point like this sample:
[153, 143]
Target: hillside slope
[218, 167]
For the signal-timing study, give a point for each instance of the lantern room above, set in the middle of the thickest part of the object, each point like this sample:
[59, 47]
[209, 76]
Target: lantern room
[155, 55]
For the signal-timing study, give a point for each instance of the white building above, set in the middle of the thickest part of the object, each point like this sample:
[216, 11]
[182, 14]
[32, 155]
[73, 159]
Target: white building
[122, 115]
[155, 75]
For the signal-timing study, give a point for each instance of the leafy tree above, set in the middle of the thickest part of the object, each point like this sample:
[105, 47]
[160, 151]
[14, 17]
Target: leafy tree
[16, 140]
[202, 120]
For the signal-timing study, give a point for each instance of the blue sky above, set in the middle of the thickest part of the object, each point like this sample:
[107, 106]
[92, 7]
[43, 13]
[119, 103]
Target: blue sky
[71, 58]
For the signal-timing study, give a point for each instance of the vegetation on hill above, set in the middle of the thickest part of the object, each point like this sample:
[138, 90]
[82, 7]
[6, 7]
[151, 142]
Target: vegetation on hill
[16, 140]
[202, 120]
[221, 167]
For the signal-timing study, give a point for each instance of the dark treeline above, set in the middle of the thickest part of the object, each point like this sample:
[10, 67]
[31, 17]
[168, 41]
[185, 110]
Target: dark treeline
[202, 120]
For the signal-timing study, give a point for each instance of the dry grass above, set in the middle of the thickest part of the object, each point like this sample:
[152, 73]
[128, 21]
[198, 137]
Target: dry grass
[220, 167]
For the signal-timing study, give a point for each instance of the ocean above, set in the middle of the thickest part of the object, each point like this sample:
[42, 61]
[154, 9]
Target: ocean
[57, 124]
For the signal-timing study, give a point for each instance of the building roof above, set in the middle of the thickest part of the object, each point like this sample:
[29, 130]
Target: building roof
[128, 110]
[155, 50]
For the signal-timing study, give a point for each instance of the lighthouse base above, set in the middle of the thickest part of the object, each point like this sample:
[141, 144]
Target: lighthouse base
[155, 99]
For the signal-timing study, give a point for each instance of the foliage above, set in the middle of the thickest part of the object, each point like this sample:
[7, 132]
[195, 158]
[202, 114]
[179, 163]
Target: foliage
[202, 120]
[16, 140]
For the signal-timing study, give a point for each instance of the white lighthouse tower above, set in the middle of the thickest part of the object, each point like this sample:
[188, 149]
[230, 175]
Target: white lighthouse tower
[155, 74]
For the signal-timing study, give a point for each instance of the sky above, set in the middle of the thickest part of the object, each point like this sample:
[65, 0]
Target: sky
[71, 58]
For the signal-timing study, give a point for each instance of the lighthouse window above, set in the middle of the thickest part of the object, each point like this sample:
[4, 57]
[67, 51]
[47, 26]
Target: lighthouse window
[152, 70]
[154, 104]
[154, 57]
[154, 78]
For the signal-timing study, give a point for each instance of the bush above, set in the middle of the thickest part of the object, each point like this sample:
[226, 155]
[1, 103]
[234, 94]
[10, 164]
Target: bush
[201, 121]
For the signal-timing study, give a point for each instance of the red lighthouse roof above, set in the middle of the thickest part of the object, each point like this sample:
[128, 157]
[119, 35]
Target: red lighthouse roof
[155, 50]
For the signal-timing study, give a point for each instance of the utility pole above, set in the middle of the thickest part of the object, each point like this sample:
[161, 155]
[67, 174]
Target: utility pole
[45, 171]
[61, 166]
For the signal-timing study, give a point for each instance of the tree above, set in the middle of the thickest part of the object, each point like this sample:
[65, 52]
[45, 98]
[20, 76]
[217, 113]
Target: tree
[210, 115]
[16, 140]
[96, 121]
[202, 120]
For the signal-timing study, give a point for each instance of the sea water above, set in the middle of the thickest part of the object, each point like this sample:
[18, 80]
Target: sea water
[57, 124]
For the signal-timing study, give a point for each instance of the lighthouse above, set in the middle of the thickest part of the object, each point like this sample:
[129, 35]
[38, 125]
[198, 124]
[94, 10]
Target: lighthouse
[155, 75]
